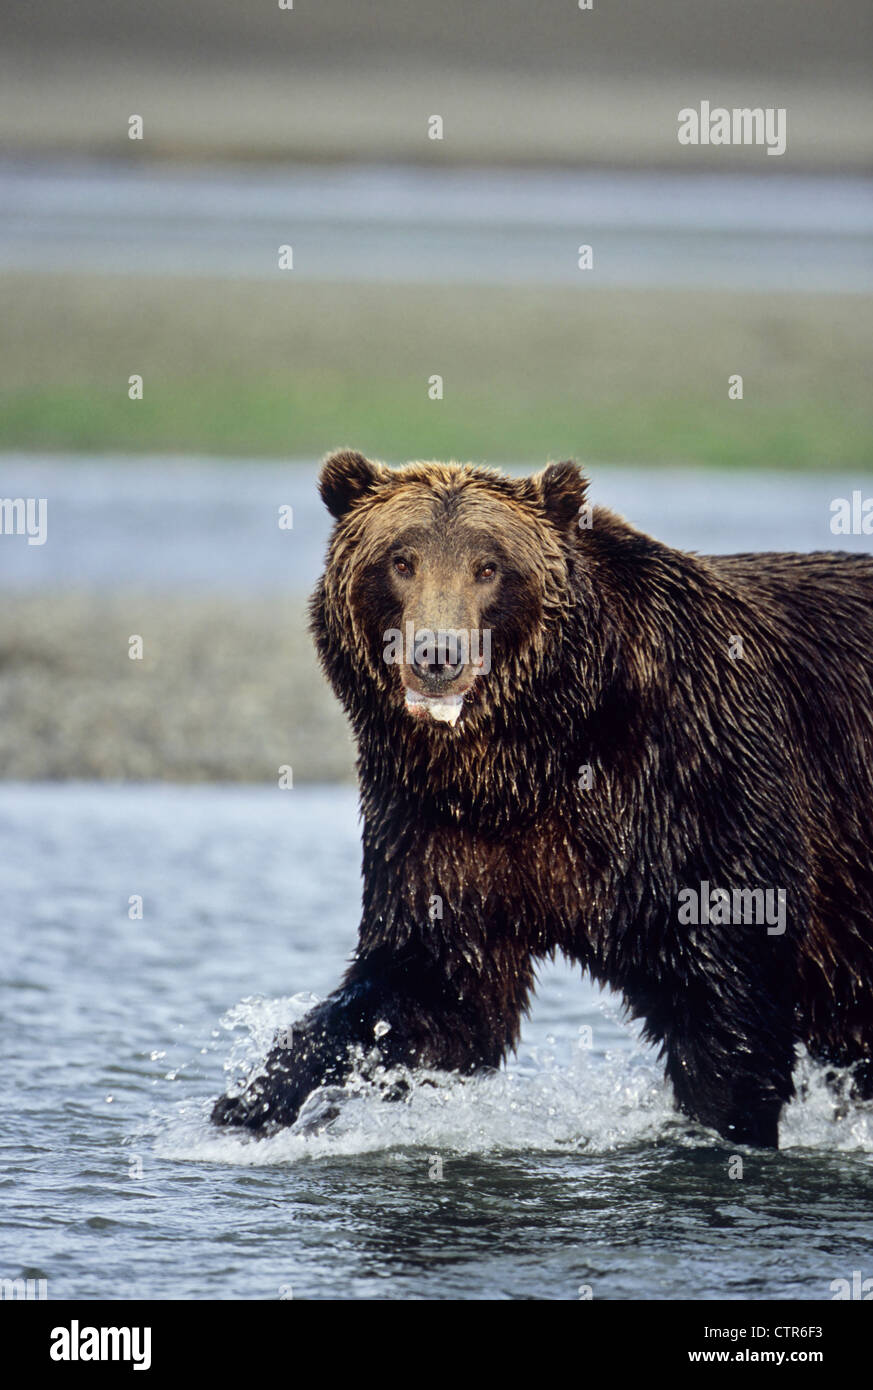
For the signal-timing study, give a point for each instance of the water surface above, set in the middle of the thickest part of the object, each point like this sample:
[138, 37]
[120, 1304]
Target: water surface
[211, 525]
[567, 1170]
[430, 226]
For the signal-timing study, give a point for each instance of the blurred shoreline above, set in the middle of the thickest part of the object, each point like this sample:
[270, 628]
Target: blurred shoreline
[188, 556]
[256, 115]
[500, 253]
[252, 367]
[227, 690]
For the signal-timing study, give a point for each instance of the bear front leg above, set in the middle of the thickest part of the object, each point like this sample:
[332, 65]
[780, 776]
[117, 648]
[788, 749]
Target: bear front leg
[387, 1013]
[314, 1052]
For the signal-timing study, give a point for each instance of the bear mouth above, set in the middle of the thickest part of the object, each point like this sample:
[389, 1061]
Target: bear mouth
[444, 708]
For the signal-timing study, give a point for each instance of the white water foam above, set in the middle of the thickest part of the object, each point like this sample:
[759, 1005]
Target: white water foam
[556, 1099]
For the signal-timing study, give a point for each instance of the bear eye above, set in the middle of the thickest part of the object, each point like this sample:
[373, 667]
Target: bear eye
[487, 571]
[401, 565]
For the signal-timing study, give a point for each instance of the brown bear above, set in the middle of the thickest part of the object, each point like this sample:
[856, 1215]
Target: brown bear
[649, 752]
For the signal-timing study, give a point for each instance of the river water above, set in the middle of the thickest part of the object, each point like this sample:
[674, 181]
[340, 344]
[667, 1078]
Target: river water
[208, 525]
[401, 223]
[565, 1173]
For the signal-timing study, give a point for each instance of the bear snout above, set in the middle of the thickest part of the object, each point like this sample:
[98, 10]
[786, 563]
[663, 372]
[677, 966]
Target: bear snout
[438, 658]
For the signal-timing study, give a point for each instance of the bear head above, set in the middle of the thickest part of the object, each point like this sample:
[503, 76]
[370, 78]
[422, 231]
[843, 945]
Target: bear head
[446, 585]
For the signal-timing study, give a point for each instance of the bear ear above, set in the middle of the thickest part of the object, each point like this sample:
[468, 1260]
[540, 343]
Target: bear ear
[345, 477]
[561, 489]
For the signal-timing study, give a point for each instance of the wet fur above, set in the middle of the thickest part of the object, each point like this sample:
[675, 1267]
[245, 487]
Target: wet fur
[613, 651]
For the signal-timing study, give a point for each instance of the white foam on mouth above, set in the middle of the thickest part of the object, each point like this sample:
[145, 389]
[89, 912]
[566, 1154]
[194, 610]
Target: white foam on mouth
[445, 708]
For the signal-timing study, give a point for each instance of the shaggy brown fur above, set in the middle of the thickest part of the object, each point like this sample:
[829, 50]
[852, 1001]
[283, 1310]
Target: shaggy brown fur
[615, 653]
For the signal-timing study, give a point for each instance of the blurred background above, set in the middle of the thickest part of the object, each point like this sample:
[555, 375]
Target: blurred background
[411, 257]
[159, 258]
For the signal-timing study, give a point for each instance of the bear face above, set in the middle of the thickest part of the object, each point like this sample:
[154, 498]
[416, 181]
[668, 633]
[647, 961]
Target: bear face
[447, 582]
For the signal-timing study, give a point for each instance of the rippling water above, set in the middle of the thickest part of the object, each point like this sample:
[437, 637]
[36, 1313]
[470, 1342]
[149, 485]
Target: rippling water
[159, 523]
[443, 226]
[568, 1169]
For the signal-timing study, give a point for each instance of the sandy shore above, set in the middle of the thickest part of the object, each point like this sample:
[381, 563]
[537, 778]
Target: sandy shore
[225, 691]
[512, 82]
[233, 112]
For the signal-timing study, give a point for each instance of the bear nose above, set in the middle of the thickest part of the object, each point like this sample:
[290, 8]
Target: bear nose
[437, 656]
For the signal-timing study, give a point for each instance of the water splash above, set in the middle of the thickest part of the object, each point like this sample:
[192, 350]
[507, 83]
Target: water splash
[555, 1098]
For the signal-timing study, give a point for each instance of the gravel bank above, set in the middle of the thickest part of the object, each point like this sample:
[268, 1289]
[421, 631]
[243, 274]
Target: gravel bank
[225, 691]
